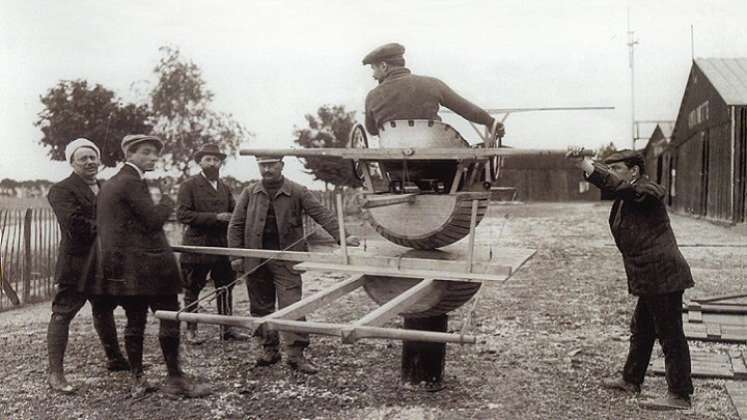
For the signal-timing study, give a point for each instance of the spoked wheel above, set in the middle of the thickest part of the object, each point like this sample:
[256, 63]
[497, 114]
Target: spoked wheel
[358, 139]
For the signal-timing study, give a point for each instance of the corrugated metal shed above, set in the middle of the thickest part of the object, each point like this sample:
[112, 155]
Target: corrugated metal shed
[728, 76]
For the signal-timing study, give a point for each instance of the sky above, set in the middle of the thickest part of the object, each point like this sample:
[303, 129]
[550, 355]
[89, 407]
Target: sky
[271, 62]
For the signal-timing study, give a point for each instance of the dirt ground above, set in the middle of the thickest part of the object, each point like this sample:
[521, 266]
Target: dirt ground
[546, 337]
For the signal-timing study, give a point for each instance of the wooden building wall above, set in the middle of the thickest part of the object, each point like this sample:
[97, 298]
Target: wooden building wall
[740, 175]
[549, 177]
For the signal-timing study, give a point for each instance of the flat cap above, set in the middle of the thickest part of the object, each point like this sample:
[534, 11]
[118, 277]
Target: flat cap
[269, 158]
[77, 144]
[133, 139]
[624, 155]
[384, 52]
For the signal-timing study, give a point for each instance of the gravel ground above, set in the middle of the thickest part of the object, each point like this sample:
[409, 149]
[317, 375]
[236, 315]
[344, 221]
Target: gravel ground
[545, 339]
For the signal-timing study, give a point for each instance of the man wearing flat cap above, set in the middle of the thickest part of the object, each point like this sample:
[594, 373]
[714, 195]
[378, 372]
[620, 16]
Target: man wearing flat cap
[402, 95]
[205, 204]
[138, 269]
[73, 201]
[268, 215]
[657, 274]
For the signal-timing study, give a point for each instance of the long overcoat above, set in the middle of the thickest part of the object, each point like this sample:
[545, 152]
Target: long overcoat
[197, 208]
[135, 256]
[640, 225]
[74, 205]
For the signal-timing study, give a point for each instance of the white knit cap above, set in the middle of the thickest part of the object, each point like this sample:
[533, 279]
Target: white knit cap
[77, 144]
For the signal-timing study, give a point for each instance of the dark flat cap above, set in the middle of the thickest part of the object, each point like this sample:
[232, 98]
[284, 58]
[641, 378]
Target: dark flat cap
[133, 139]
[384, 52]
[209, 149]
[624, 156]
[269, 158]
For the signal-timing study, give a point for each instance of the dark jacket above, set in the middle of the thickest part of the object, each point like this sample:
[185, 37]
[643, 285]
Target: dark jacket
[640, 226]
[136, 259]
[74, 205]
[291, 201]
[405, 96]
[198, 205]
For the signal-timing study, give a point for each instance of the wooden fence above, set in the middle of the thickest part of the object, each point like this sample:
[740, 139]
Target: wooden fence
[29, 239]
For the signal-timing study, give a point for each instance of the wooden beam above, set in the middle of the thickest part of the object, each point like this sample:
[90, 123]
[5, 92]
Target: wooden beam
[501, 275]
[321, 328]
[372, 201]
[322, 298]
[471, 246]
[427, 267]
[707, 299]
[397, 305]
[400, 153]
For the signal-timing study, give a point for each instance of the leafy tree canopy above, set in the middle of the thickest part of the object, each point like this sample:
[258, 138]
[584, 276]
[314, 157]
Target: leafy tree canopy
[329, 128]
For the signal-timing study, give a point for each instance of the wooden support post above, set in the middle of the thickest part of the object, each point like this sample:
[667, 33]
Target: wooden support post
[471, 246]
[423, 362]
[341, 222]
[27, 256]
[397, 305]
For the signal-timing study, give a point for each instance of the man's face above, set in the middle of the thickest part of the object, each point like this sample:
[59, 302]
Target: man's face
[621, 170]
[144, 156]
[210, 161]
[85, 163]
[271, 171]
[379, 71]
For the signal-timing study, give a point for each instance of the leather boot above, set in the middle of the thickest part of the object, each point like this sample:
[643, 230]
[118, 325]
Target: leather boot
[620, 384]
[140, 386]
[57, 334]
[269, 356]
[297, 361]
[107, 331]
[181, 386]
[669, 402]
[134, 350]
[170, 350]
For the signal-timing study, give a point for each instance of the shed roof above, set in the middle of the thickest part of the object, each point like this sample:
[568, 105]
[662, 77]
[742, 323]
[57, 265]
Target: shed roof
[728, 76]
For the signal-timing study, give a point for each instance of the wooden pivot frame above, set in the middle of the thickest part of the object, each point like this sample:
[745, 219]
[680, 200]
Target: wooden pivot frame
[369, 326]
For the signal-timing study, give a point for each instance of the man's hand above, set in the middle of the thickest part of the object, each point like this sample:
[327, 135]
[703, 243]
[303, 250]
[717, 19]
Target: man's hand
[352, 240]
[223, 217]
[238, 265]
[499, 130]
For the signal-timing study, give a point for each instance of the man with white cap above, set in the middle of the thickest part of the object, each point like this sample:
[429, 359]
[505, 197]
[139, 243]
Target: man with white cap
[268, 215]
[74, 203]
[138, 269]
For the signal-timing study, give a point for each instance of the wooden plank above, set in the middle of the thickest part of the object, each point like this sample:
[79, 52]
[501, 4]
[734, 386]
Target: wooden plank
[371, 201]
[738, 395]
[393, 272]
[402, 153]
[703, 364]
[425, 267]
[397, 305]
[710, 299]
[322, 298]
[713, 330]
[321, 328]
[738, 366]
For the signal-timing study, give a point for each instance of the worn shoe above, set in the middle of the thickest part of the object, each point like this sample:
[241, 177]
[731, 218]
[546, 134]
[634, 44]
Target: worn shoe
[302, 364]
[194, 338]
[117, 365]
[58, 383]
[268, 357]
[620, 384]
[233, 335]
[181, 386]
[670, 402]
[140, 386]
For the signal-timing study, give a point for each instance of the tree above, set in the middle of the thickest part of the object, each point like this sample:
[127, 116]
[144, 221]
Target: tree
[605, 151]
[182, 115]
[329, 128]
[72, 109]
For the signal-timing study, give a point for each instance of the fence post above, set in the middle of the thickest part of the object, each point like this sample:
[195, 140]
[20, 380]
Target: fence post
[27, 256]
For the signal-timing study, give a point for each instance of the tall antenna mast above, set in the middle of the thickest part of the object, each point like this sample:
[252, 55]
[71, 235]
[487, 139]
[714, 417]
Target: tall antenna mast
[631, 62]
[692, 42]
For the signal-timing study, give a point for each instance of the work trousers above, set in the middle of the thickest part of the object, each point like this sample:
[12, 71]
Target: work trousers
[659, 316]
[276, 280]
[195, 279]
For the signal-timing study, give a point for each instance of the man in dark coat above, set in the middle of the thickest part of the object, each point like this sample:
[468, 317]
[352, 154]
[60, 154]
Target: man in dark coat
[268, 215]
[402, 95]
[74, 203]
[138, 268]
[657, 273]
[205, 204]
